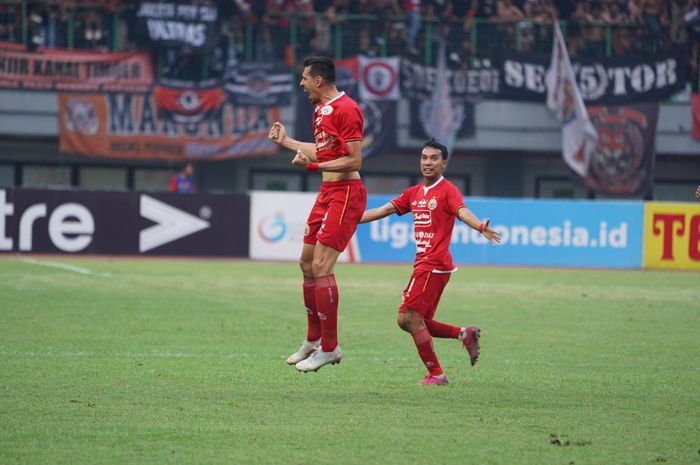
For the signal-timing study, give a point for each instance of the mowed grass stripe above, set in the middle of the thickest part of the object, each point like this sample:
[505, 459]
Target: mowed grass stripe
[182, 361]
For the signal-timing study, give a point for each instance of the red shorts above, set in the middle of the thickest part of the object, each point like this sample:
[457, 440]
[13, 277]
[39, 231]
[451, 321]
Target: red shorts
[423, 292]
[336, 213]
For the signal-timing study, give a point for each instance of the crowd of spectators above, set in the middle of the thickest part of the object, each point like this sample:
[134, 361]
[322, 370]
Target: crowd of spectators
[376, 27]
[87, 24]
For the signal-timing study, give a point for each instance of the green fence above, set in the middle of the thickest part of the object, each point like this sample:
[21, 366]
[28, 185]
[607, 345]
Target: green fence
[293, 36]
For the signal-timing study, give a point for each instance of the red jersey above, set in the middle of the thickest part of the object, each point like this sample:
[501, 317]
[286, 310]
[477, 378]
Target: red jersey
[336, 123]
[434, 211]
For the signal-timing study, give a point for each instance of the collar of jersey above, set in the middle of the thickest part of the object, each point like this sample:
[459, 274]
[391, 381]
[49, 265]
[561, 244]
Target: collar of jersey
[334, 98]
[427, 188]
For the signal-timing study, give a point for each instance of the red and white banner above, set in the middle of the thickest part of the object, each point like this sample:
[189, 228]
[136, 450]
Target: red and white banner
[187, 102]
[695, 101]
[76, 71]
[564, 101]
[379, 78]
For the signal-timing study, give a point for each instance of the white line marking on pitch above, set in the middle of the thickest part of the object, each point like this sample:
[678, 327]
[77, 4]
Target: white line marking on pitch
[63, 266]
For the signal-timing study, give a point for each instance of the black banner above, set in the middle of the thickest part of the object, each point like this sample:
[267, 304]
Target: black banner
[420, 113]
[380, 127]
[179, 24]
[623, 160]
[260, 84]
[123, 223]
[465, 84]
[606, 81]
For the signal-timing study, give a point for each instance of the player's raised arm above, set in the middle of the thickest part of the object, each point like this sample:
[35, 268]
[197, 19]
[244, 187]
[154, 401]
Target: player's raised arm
[378, 213]
[278, 135]
[484, 227]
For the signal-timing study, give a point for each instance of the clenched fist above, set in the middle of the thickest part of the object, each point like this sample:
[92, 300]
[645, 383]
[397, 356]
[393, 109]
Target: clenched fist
[301, 160]
[277, 133]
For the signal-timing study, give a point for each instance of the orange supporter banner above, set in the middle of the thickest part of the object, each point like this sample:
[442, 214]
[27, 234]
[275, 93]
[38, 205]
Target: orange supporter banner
[672, 235]
[127, 126]
[76, 71]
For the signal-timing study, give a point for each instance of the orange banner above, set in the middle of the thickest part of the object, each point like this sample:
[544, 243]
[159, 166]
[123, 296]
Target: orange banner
[672, 235]
[127, 126]
[57, 69]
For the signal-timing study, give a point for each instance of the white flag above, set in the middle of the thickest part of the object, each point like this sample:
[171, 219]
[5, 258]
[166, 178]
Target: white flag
[579, 137]
[443, 120]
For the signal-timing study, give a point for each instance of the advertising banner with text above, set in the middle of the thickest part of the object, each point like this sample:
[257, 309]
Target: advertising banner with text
[123, 223]
[672, 235]
[609, 81]
[76, 71]
[534, 232]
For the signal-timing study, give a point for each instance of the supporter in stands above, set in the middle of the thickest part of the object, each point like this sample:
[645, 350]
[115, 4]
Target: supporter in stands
[9, 21]
[508, 15]
[55, 27]
[183, 181]
[326, 17]
[509, 11]
[622, 43]
[697, 193]
[618, 12]
[413, 13]
[461, 23]
[652, 15]
[575, 41]
[91, 31]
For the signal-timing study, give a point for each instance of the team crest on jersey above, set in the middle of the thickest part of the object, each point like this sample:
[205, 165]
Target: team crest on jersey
[326, 110]
[432, 203]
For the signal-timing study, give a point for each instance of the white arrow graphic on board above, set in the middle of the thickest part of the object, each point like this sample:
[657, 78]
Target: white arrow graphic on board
[172, 224]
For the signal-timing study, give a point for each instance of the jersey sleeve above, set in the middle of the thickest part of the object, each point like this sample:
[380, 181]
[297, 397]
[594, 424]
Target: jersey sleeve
[455, 201]
[402, 203]
[351, 124]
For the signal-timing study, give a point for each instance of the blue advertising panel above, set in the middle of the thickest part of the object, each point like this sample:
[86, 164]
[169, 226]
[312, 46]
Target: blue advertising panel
[534, 232]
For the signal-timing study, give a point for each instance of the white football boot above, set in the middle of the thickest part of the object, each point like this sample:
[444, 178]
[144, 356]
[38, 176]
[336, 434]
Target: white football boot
[307, 348]
[320, 358]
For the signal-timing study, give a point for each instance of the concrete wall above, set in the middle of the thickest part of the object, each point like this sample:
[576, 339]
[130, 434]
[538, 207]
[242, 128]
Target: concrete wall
[515, 150]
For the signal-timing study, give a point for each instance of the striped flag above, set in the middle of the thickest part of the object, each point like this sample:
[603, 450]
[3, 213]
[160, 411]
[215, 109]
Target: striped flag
[260, 84]
[579, 137]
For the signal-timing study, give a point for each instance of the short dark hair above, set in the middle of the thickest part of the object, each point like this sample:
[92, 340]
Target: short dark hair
[321, 66]
[437, 145]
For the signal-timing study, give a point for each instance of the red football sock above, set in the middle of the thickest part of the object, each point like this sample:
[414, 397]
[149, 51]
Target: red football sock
[327, 308]
[443, 330]
[426, 351]
[313, 332]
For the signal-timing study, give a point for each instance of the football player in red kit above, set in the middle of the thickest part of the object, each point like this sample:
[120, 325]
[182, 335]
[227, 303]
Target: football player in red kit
[337, 153]
[434, 204]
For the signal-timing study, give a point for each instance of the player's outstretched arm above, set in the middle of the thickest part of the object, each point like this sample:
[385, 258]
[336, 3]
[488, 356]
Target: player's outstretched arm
[484, 227]
[278, 135]
[378, 213]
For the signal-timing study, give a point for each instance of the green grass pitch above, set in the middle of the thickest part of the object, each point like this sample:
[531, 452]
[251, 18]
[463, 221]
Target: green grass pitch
[154, 362]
